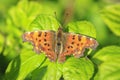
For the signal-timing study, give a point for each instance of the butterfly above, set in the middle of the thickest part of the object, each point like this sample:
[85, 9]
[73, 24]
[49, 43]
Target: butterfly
[58, 45]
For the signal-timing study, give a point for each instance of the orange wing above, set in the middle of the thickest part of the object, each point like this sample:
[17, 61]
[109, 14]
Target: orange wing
[42, 41]
[75, 44]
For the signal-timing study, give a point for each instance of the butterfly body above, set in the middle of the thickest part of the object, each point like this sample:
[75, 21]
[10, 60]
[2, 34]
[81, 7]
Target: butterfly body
[59, 42]
[58, 45]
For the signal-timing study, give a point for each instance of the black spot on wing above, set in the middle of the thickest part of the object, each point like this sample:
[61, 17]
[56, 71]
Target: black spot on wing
[78, 44]
[67, 51]
[81, 43]
[79, 38]
[45, 40]
[68, 47]
[72, 43]
[45, 34]
[73, 37]
[36, 39]
[71, 46]
[39, 34]
[39, 40]
[48, 44]
[48, 49]
[45, 44]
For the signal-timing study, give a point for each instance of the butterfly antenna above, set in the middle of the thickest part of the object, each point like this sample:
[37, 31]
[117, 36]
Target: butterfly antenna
[68, 12]
[60, 27]
[55, 15]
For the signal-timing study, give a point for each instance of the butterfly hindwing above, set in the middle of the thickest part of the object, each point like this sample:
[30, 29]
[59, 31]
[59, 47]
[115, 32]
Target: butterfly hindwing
[75, 44]
[42, 41]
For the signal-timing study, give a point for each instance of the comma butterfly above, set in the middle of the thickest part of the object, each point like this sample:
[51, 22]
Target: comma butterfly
[59, 45]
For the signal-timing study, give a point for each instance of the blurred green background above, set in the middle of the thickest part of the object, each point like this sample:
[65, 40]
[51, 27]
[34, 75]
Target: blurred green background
[16, 16]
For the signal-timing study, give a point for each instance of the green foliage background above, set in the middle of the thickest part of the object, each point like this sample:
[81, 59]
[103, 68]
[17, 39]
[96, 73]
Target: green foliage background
[99, 19]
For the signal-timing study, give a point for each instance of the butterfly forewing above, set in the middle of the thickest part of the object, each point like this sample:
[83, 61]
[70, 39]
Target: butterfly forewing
[75, 44]
[60, 44]
[42, 41]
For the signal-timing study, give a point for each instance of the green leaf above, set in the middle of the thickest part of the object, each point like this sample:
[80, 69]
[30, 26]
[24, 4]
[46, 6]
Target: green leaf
[108, 62]
[82, 27]
[2, 39]
[111, 17]
[23, 64]
[18, 19]
[32, 66]
[44, 22]
[54, 69]
[78, 69]
[13, 42]
[24, 13]
[51, 71]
